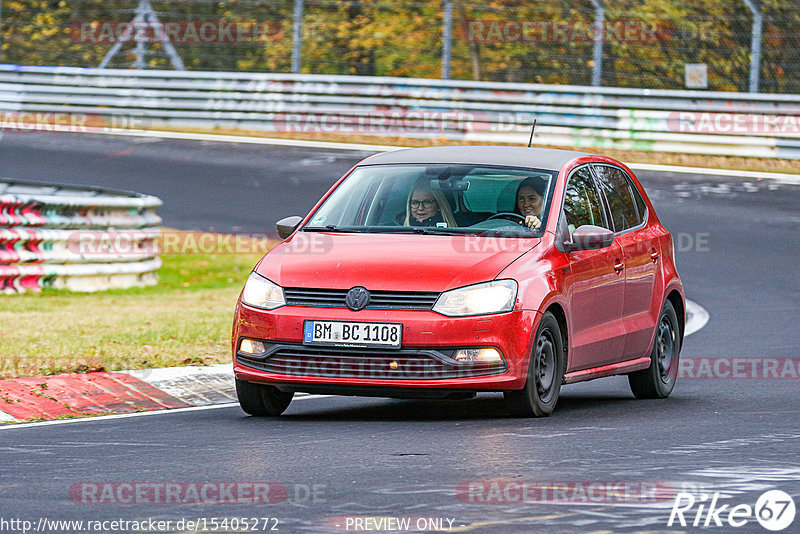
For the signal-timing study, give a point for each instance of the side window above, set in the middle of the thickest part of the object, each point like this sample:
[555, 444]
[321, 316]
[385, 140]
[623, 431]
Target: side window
[581, 201]
[617, 190]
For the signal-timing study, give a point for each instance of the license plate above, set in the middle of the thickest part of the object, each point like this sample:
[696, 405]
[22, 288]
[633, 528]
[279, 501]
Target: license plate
[352, 334]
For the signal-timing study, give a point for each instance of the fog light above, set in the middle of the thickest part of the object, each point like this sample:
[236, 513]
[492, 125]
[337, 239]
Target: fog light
[479, 355]
[252, 346]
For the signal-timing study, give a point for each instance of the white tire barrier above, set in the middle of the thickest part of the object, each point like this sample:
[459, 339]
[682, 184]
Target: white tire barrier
[76, 238]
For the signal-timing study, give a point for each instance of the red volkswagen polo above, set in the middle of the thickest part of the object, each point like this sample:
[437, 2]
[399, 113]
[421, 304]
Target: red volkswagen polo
[443, 272]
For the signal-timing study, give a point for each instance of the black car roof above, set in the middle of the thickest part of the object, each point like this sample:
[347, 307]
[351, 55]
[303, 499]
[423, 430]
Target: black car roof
[512, 156]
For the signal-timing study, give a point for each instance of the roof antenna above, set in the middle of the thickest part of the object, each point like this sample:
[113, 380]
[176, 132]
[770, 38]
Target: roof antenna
[530, 141]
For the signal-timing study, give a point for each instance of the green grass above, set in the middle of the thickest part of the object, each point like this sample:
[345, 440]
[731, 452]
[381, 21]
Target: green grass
[184, 320]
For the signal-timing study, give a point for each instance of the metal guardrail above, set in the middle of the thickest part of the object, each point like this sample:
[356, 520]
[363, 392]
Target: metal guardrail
[76, 238]
[701, 122]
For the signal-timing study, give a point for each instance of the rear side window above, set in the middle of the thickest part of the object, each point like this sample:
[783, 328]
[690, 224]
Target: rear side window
[616, 187]
[581, 201]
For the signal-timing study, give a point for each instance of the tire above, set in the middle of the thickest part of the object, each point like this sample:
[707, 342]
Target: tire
[545, 373]
[262, 400]
[658, 380]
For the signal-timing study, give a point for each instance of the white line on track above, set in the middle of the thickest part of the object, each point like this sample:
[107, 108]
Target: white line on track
[696, 317]
[790, 179]
[138, 414]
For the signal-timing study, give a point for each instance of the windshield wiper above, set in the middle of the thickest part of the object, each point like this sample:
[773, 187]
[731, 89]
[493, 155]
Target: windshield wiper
[388, 230]
[427, 230]
[436, 230]
[424, 230]
[331, 228]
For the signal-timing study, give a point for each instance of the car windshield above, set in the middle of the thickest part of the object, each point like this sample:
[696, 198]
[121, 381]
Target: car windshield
[439, 199]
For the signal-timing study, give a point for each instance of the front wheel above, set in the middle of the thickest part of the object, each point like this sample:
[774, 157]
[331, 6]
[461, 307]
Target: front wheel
[657, 381]
[262, 400]
[545, 373]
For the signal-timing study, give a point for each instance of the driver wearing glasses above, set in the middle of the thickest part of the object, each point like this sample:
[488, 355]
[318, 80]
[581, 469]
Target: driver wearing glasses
[426, 207]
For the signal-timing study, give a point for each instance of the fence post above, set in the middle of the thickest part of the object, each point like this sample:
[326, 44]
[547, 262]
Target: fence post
[755, 46]
[447, 33]
[141, 50]
[145, 15]
[297, 36]
[599, 34]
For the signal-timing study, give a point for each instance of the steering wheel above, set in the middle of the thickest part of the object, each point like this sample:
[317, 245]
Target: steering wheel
[508, 215]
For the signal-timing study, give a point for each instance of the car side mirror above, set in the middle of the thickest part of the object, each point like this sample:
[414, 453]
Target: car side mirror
[287, 225]
[589, 237]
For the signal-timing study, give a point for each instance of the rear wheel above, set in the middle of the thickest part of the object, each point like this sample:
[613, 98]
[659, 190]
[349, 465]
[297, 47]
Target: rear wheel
[657, 381]
[545, 373]
[262, 400]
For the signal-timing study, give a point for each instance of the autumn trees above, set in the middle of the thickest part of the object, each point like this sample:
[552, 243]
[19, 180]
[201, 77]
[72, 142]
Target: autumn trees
[646, 43]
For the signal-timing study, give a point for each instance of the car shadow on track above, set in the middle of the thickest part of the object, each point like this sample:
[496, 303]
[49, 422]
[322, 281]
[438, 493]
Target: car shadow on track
[573, 407]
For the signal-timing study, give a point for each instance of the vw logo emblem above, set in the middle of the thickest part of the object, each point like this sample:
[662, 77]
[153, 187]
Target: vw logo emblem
[357, 298]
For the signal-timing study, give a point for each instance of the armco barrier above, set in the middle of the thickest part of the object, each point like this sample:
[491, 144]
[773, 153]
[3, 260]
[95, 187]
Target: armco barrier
[702, 122]
[76, 238]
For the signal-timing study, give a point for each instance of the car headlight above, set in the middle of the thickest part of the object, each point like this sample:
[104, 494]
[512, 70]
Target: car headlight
[261, 293]
[480, 299]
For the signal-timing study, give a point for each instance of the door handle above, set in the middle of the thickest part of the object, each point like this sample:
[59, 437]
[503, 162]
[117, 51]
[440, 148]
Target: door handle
[654, 256]
[619, 266]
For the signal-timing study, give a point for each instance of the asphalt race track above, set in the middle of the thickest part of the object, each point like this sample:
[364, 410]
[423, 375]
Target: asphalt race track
[342, 459]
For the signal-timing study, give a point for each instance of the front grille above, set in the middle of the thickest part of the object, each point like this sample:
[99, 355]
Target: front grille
[405, 364]
[379, 300]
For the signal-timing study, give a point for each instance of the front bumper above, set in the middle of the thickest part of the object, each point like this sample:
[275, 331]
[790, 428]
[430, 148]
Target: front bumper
[422, 362]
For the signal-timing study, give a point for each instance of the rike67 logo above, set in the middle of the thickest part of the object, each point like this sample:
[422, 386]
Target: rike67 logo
[774, 510]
